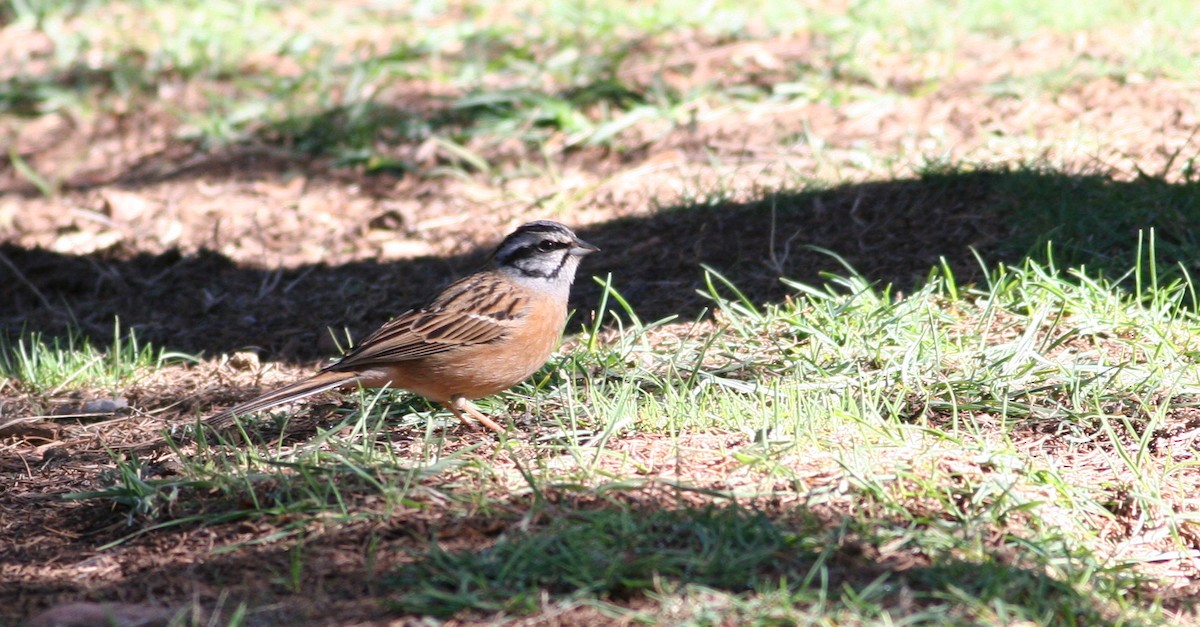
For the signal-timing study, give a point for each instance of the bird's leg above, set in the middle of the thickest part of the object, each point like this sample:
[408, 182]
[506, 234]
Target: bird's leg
[458, 414]
[458, 405]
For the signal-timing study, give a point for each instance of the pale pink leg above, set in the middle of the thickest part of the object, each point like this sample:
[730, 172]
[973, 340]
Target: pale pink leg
[458, 405]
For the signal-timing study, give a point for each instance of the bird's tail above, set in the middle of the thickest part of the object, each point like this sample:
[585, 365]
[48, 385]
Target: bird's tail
[320, 382]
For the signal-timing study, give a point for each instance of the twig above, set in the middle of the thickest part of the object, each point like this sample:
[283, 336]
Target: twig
[25, 281]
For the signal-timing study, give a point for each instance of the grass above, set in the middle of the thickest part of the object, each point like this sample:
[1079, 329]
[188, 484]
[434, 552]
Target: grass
[1014, 449]
[252, 76]
[606, 553]
[731, 555]
[880, 430]
[51, 366]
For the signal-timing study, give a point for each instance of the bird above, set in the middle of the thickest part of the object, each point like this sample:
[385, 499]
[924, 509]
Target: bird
[479, 336]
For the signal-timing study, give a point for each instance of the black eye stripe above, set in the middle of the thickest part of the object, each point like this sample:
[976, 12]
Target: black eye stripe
[526, 251]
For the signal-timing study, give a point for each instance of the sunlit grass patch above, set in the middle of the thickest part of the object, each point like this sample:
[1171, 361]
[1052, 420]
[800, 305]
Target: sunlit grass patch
[50, 365]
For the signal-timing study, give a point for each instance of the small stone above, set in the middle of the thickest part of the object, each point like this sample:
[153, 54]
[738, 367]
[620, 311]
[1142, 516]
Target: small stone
[244, 360]
[123, 206]
[95, 406]
[104, 406]
[404, 249]
[89, 614]
[85, 242]
[55, 453]
[390, 220]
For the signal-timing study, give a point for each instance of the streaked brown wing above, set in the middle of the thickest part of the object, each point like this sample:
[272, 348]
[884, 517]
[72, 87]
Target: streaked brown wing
[475, 310]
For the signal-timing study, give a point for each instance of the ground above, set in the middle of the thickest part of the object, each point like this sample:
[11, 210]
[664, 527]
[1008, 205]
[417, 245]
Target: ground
[254, 247]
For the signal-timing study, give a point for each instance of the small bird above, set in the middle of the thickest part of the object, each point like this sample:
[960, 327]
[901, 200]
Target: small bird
[481, 335]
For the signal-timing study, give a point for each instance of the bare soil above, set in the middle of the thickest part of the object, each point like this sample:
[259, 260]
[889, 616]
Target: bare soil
[252, 247]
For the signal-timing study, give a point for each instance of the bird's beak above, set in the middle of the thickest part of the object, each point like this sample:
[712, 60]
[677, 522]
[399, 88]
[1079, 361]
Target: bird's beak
[581, 248]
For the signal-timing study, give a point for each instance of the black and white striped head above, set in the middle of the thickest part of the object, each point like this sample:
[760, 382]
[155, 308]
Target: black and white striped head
[543, 251]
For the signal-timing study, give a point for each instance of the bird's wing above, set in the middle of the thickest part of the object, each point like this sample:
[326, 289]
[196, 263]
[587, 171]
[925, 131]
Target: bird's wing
[475, 310]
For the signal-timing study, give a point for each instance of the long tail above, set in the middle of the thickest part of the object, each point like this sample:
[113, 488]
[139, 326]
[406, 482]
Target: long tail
[320, 382]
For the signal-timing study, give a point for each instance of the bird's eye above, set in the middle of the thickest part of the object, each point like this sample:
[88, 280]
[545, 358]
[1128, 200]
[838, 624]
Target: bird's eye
[548, 245]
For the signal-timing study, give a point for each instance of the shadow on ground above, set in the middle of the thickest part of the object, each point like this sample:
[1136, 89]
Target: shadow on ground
[890, 232]
[523, 556]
